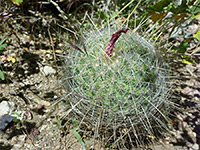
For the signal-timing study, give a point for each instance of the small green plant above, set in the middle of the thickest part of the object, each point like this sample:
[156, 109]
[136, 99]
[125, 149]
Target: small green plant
[2, 77]
[59, 122]
[16, 119]
[2, 46]
[110, 146]
[58, 127]
[77, 135]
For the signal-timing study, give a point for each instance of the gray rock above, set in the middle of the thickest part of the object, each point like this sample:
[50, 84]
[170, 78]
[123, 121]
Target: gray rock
[5, 120]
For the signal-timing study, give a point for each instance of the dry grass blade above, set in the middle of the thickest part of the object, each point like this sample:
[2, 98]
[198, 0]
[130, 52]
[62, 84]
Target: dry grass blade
[75, 46]
[84, 47]
[158, 29]
[132, 12]
[121, 10]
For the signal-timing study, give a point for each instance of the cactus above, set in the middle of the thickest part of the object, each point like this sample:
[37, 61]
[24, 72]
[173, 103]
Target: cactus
[121, 88]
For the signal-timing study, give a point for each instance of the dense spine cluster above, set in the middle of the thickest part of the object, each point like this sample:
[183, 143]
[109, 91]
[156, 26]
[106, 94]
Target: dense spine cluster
[127, 90]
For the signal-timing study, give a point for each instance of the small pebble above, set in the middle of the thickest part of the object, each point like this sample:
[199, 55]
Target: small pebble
[5, 107]
[195, 147]
[47, 70]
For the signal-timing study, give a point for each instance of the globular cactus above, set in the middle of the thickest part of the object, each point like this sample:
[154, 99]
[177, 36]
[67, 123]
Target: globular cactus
[119, 86]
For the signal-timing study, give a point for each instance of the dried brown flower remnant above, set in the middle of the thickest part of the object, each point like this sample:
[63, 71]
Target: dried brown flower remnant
[34, 132]
[115, 36]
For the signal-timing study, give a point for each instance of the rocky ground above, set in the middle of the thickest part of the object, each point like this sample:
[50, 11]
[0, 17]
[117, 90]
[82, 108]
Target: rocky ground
[33, 90]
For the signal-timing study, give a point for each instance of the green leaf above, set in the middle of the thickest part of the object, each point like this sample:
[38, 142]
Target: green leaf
[2, 45]
[188, 60]
[79, 137]
[3, 40]
[197, 35]
[2, 77]
[181, 9]
[16, 120]
[103, 15]
[75, 122]
[17, 2]
[60, 123]
[110, 146]
[16, 113]
[194, 7]
[66, 37]
[181, 48]
[159, 6]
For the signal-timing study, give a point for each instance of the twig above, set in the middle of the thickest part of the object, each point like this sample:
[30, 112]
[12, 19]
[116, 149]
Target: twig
[59, 9]
[54, 55]
[66, 29]
[192, 74]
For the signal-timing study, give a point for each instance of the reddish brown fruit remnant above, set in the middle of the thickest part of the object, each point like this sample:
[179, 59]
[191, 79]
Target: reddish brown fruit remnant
[115, 36]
